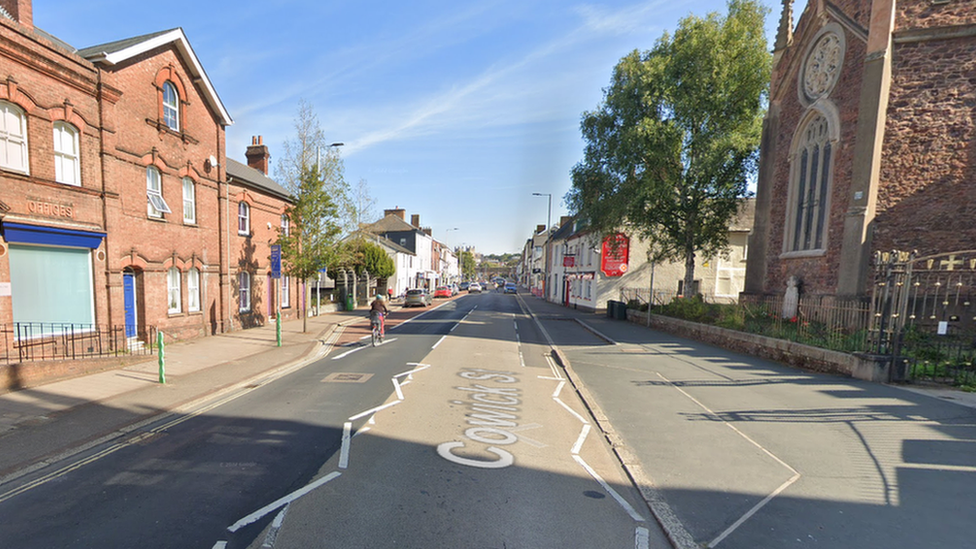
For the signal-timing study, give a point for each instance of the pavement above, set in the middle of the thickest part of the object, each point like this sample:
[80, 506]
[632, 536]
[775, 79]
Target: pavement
[38, 424]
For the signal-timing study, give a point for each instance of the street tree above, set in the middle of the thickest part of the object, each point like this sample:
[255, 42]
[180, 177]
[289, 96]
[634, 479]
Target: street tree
[317, 188]
[670, 149]
[468, 264]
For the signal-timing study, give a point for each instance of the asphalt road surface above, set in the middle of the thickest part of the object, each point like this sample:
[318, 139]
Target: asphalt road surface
[458, 431]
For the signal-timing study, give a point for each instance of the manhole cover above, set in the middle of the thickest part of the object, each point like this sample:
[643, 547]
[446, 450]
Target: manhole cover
[340, 377]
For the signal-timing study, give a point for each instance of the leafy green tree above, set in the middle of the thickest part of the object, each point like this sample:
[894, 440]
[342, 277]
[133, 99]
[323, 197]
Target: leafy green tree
[376, 262]
[468, 265]
[669, 151]
[313, 234]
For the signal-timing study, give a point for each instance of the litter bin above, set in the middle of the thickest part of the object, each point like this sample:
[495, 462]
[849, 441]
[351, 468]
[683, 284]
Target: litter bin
[621, 311]
[611, 307]
[350, 303]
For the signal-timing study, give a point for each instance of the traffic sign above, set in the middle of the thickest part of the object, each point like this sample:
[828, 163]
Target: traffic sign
[275, 261]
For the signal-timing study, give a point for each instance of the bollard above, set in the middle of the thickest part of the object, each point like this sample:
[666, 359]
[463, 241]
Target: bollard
[162, 361]
[278, 328]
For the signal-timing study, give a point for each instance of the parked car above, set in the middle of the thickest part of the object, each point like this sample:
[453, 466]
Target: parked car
[443, 291]
[454, 289]
[511, 288]
[463, 286]
[474, 288]
[417, 297]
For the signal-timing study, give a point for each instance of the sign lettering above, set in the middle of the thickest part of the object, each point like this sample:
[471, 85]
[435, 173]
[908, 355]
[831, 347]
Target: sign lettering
[615, 255]
[50, 209]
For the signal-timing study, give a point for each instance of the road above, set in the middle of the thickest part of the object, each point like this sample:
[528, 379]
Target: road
[458, 431]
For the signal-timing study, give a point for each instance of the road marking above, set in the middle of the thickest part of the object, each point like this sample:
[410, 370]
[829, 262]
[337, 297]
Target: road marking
[598, 333]
[613, 493]
[552, 366]
[572, 411]
[559, 388]
[347, 353]
[396, 386]
[767, 499]
[579, 441]
[373, 410]
[282, 501]
[272, 536]
[220, 545]
[642, 538]
[344, 450]
[439, 341]
[360, 431]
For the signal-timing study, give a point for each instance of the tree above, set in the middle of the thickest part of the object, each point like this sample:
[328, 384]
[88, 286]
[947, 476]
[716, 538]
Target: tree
[468, 264]
[669, 151]
[314, 215]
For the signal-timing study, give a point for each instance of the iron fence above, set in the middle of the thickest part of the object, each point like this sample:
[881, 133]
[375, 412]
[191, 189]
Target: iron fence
[822, 321]
[35, 341]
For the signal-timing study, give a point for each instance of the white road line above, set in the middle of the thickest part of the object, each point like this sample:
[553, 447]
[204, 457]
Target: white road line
[344, 450]
[281, 501]
[767, 499]
[374, 410]
[642, 538]
[579, 441]
[559, 388]
[597, 332]
[439, 341]
[220, 545]
[579, 417]
[419, 368]
[272, 535]
[552, 366]
[613, 493]
[521, 359]
[396, 386]
[347, 353]
[360, 431]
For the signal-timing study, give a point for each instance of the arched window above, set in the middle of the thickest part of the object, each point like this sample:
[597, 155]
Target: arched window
[67, 165]
[189, 201]
[193, 290]
[173, 290]
[243, 218]
[171, 106]
[806, 226]
[13, 138]
[244, 291]
[154, 190]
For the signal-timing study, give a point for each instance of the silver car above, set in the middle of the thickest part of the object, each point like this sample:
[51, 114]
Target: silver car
[417, 297]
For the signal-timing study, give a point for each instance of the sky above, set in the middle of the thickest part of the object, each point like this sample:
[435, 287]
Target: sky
[455, 111]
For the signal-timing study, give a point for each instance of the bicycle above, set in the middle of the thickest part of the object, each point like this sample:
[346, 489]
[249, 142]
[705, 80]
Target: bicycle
[376, 322]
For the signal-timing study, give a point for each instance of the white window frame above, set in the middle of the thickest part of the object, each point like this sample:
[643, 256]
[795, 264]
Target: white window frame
[174, 297]
[193, 290]
[13, 138]
[189, 201]
[244, 291]
[154, 191]
[285, 225]
[285, 301]
[171, 106]
[67, 158]
[243, 218]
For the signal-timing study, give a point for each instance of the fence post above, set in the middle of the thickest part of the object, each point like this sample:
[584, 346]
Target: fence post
[162, 360]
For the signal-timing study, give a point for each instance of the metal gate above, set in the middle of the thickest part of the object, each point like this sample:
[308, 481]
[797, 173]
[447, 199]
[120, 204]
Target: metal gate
[923, 313]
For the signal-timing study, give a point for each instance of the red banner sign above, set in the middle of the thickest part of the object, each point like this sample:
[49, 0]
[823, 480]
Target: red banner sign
[569, 261]
[615, 255]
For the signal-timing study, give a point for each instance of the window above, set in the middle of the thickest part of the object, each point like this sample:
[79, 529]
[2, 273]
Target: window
[171, 106]
[154, 189]
[66, 158]
[285, 301]
[806, 226]
[244, 291]
[173, 289]
[243, 218]
[13, 138]
[193, 290]
[285, 225]
[52, 284]
[189, 201]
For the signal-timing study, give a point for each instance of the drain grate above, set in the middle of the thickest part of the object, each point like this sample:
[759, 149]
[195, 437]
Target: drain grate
[340, 377]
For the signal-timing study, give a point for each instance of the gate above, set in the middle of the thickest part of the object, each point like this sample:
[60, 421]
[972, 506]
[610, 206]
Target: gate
[924, 315]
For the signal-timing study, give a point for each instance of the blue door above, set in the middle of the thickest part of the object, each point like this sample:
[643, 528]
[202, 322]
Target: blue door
[129, 290]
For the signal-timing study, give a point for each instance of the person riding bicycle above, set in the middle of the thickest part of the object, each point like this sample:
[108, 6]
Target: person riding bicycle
[378, 312]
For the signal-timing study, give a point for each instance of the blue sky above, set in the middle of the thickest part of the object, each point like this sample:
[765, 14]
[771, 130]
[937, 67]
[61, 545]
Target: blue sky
[456, 111]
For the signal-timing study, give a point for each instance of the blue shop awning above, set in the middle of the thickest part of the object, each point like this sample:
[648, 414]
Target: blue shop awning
[52, 236]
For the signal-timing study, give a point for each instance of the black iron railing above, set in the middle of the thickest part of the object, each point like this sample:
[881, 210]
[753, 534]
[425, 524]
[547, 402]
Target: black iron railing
[34, 341]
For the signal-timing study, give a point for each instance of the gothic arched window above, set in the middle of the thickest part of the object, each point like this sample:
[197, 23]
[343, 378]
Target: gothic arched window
[811, 174]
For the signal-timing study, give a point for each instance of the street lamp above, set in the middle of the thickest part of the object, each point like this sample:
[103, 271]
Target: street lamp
[545, 267]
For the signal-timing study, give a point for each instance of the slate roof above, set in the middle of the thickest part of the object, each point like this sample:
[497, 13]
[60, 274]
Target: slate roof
[381, 240]
[390, 224]
[255, 179]
[113, 53]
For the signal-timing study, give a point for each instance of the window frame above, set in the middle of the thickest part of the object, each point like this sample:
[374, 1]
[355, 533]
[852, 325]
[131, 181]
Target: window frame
[811, 182]
[62, 129]
[190, 201]
[193, 290]
[285, 225]
[244, 292]
[285, 286]
[20, 138]
[243, 218]
[174, 289]
[171, 106]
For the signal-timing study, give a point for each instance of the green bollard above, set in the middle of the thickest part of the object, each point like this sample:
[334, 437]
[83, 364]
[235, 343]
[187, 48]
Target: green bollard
[278, 328]
[162, 361]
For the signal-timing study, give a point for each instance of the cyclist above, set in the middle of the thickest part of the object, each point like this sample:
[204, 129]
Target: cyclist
[378, 312]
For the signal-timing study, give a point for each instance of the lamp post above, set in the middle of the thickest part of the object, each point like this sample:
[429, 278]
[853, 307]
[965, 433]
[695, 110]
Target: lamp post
[545, 267]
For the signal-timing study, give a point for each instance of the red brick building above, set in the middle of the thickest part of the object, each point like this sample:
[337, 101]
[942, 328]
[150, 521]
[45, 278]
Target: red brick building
[867, 144]
[115, 206]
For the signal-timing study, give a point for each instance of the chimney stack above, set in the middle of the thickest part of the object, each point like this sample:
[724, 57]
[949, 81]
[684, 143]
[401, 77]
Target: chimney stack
[415, 220]
[20, 10]
[257, 154]
[539, 229]
[397, 211]
[565, 219]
